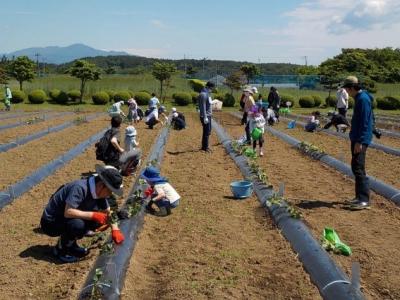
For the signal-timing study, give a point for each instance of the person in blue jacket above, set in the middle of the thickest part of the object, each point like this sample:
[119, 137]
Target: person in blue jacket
[360, 137]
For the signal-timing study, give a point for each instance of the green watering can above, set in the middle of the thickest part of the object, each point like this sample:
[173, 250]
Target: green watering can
[331, 241]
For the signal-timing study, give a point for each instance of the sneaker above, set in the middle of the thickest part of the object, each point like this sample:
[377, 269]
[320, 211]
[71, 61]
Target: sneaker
[352, 201]
[77, 250]
[150, 210]
[261, 153]
[359, 205]
[63, 254]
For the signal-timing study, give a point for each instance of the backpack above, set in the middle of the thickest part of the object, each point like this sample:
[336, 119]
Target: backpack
[103, 152]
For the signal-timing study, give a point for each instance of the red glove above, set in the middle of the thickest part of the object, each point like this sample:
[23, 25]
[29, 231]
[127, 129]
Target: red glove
[117, 236]
[100, 217]
[148, 192]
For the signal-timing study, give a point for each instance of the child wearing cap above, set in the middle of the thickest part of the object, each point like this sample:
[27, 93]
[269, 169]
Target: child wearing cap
[257, 124]
[162, 194]
[313, 122]
[178, 121]
[130, 138]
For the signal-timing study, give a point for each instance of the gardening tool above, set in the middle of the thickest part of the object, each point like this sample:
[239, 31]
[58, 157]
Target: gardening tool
[256, 133]
[331, 241]
[291, 124]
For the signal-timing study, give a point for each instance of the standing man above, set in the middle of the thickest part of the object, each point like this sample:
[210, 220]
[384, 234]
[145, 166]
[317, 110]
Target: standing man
[360, 137]
[8, 96]
[342, 103]
[153, 102]
[80, 206]
[204, 102]
[274, 100]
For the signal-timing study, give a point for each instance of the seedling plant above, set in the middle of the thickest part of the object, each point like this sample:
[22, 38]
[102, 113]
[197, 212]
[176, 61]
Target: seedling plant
[285, 203]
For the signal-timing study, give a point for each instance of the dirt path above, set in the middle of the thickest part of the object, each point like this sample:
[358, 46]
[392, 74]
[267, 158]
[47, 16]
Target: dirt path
[10, 135]
[384, 166]
[27, 267]
[19, 162]
[373, 235]
[211, 247]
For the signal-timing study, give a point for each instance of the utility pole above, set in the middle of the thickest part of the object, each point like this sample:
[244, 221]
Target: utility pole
[305, 60]
[184, 62]
[37, 63]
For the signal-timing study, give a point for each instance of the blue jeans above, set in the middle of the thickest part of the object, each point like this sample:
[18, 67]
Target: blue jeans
[165, 203]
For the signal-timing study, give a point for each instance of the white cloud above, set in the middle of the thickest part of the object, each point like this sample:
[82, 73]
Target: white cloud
[332, 25]
[158, 24]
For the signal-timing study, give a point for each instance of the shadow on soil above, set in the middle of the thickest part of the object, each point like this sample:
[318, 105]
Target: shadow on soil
[305, 204]
[40, 252]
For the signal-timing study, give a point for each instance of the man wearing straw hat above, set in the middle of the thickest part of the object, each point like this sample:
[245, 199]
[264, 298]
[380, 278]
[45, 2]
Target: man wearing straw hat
[80, 206]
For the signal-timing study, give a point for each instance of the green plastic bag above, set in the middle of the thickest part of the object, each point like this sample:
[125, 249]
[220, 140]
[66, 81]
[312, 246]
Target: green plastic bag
[256, 133]
[331, 241]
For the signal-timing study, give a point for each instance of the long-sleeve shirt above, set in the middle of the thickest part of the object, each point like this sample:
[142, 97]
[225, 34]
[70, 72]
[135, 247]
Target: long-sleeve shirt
[248, 103]
[342, 98]
[204, 103]
[257, 121]
[361, 122]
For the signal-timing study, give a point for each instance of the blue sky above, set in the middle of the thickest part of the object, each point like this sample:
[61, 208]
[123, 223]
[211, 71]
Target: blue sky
[252, 30]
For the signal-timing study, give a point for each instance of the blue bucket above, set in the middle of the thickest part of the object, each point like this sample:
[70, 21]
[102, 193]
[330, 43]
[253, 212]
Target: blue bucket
[241, 189]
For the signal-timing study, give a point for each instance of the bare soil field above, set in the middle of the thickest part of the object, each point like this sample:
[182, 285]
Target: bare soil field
[211, 247]
[25, 117]
[383, 166]
[10, 135]
[28, 269]
[319, 192]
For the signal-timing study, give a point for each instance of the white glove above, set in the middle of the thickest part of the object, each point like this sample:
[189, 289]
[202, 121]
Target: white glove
[205, 120]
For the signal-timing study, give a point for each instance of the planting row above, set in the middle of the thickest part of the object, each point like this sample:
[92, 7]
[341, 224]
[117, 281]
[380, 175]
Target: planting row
[190, 254]
[371, 234]
[29, 253]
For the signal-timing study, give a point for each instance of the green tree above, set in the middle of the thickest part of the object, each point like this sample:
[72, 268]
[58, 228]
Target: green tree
[250, 71]
[235, 81]
[85, 71]
[162, 71]
[3, 76]
[307, 70]
[22, 69]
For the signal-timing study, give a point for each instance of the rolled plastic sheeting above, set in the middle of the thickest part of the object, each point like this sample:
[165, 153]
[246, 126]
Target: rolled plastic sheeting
[331, 281]
[28, 138]
[374, 145]
[115, 265]
[21, 187]
[381, 188]
[13, 125]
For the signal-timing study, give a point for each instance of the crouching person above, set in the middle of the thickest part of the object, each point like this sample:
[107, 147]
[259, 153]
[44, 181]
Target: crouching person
[178, 121]
[78, 207]
[162, 194]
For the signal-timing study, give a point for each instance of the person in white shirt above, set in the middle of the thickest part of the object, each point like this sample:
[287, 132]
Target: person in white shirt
[342, 103]
[115, 109]
[130, 138]
[162, 194]
[153, 102]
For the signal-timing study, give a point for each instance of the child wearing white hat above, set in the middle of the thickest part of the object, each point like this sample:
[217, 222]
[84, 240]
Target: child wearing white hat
[130, 138]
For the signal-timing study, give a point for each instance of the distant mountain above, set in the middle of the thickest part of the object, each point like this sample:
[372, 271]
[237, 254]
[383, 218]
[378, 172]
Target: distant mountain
[60, 55]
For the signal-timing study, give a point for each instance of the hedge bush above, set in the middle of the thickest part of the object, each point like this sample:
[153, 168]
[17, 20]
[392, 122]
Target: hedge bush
[229, 100]
[18, 96]
[306, 102]
[331, 101]
[287, 98]
[122, 96]
[37, 96]
[74, 95]
[62, 98]
[218, 96]
[351, 102]
[142, 98]
[101, 98]
[182, 98]
[196, 84]
[54, 94]
[388, 103]
[317, 100]
[194, 97]
[111, 94]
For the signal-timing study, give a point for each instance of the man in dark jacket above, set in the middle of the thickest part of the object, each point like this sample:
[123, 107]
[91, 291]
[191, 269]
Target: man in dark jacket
[80, 206]
[204, 102]
[338, 120]
[361, 137]
[274, 100]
